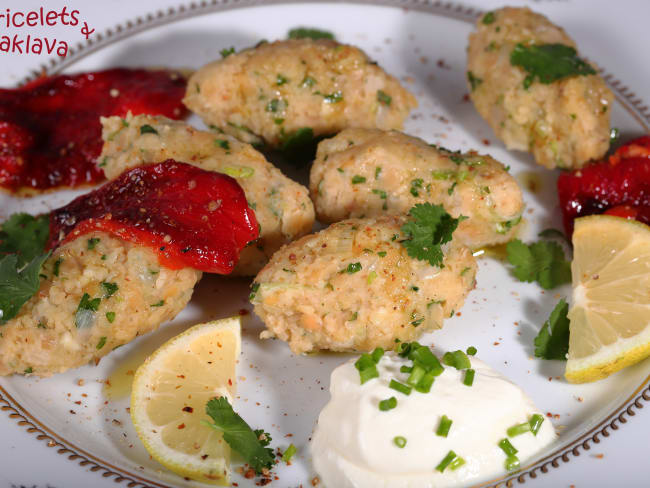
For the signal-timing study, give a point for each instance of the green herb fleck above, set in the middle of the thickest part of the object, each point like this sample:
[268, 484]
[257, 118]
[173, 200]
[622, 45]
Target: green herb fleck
[227, 52]
[147, 129]
[92, 242]
[552, 342]
[289, 453]
[310, 33]
[547, 63]
[109, 289]
[353, 268]
[86, 309]
[489, 18]
[158, 304]
[357, 179]
[474, 81]
[281, 80]
[101, 343]
[110, 316]
[383, 97]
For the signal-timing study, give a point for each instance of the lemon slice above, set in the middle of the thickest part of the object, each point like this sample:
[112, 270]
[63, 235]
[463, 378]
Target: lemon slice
[170, 391]
[610, 318]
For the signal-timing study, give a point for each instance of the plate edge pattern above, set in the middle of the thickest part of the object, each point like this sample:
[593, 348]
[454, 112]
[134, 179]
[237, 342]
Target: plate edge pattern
[631, 102]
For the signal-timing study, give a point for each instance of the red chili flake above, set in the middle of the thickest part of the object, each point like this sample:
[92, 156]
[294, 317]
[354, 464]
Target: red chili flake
[188, 409]
[618, 186]
[204, 228]
[50, 133]
[181, 426]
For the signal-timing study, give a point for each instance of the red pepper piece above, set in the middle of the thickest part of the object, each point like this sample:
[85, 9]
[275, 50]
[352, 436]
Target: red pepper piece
[191, 217]
[50, 134]
[618, 186]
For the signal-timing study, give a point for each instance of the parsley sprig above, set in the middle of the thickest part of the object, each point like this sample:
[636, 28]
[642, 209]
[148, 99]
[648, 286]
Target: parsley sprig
[22, 241]
[429, 228]
[552, 342]
[250, 444]
[542, 261]
[547, 63]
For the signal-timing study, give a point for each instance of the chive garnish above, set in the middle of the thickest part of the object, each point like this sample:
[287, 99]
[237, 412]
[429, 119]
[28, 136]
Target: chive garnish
[512, 463]
[399, 441]
[457, 359]
[471, 351]
[388, 404]
[405, 369]
[425, 357]
[456, 463]
[288, 454]
[416, 375]
[444, 426]
[535, 423]
[353, 268]
[518, 429]
[507, 447]
[424, 385]
[469, 377]
[368, 374]
[397, 386]
[377, 354]
[451, 455]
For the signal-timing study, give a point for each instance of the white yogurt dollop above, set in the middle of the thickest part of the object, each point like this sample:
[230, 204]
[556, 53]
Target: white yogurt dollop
[353, 443]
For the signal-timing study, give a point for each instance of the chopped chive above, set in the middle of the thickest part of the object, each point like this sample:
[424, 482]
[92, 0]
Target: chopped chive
[288, 454]
[340, 170]
[469, 377]
[535, 423]
[471, 351]
[381, 254]
[57, 266]
[404, 349]
[110, 289]
[426, 358]
[364, 361]
[110, 316]
[456, 463]
[518, 429]
[451, 455]
[388, 404]
[457, 359]
[416, 375]
[402, 388]
[512, 463]
[405, 369]
[158, 304]
[368, 374]
[222, 143]
[377, 354]
[425, 383]
[444, 426]
[507, 447]
[399, 441]
[29, 370]
[101, 343]
[377, 172]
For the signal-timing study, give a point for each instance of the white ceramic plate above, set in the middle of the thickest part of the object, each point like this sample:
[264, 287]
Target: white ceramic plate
[424, 45]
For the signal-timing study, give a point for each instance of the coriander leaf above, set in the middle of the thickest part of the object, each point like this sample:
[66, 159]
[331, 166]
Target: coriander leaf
[549, 62]
[85, 314]
[542, 261]
[552, 342]
[310, 33]
[17, 285]
[238, 434]
[430, 227]
[25, 236]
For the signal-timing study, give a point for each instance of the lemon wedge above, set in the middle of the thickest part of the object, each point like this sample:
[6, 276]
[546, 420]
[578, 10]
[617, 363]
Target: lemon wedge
[170, 391]
[610, 318]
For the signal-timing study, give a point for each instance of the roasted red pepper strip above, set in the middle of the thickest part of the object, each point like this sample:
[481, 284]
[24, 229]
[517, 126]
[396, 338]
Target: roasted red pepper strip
[50, 134]
[619, 186]
[191, 217]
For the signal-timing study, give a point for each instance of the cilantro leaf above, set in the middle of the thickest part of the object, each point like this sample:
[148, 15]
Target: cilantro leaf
[552, 342]
[17, 285]
[549, 62]
[24, 235]
[542, 261]
[310, 33]
[430, 227]
[239, 436]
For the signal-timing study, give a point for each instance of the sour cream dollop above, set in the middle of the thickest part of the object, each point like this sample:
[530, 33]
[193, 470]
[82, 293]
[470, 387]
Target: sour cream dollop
[353, 444]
